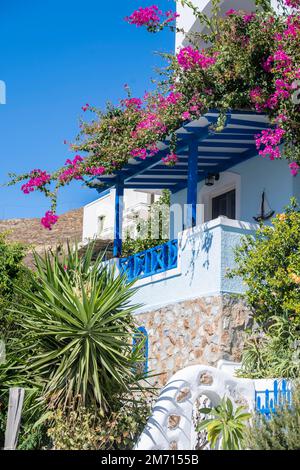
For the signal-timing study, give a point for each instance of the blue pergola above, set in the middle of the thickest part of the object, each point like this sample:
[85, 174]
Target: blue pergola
[201, 151]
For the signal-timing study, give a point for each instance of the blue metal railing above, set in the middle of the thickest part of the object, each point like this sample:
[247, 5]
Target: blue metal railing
[268, 401]
[152, 261]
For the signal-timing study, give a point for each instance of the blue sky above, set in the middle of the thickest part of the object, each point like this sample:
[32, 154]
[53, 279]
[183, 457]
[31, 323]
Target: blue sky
[57, 55]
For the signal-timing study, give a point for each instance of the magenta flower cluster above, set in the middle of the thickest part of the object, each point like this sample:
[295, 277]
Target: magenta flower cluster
[73, 170]
[292, 3]
[188, 58]
[268, 142]
[38, 179]
[151, 17]
[49, 220]
[95, 171]
[152, 123]
[170, 160]
[145, 16]
[133, 103]
[294, 168]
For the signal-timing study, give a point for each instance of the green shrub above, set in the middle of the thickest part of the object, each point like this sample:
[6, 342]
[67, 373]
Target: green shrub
[275, 353]
[79, 322]
[83, 429]
[270, 267]
[225, 425]
[269, 264]
[12, 271]
[281, 432]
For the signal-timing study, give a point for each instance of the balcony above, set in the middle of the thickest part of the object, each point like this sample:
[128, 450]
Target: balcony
[153, 261]
[193, 266]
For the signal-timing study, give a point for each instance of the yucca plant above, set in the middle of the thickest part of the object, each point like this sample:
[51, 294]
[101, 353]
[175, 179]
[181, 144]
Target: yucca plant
[225, 425]
[79, 321]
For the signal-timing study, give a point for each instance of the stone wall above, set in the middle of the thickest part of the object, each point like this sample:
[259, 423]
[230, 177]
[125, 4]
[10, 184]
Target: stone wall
[198, 331]
[32, 233]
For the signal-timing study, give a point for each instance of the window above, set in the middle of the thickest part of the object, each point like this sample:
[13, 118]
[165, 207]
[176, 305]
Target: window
[142, 336]
[100, 226]
[224, 205]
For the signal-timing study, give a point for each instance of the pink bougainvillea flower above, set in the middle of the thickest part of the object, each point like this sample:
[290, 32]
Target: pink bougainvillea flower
[186, 116]
[95, 171]
[85, 107]
[151, 17]
[269, 140]
[73, 171]
[139, 153]
[231, 12]
[294, 168]
[249, 17]
[268, 63]
[133, 103]
[292, 3]
[171, 16]
[150, 122]
[49, 220]
[170, 159]
[38, 178]
[188, 57]
[153, 150]
[148, 16]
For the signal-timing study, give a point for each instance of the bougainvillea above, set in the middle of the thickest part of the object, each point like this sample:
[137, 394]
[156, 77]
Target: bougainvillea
[151, 17]
[245, 60]
[49, 220]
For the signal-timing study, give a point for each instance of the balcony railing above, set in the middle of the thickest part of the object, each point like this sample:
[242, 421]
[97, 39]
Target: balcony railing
[155, 260]
[268, 401]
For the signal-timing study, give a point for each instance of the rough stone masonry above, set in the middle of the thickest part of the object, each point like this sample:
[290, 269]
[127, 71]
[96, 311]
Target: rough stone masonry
[198, 331]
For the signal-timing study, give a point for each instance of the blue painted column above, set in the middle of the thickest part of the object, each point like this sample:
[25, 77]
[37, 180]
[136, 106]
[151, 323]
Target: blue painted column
[117, 250]
[192, 184]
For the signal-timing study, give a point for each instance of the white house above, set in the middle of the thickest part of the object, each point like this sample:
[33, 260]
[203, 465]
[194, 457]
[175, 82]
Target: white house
[219, 189]
[98, 216]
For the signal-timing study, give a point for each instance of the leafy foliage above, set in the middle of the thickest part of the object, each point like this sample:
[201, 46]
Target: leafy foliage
[79, 321]
[281, 432]
[82, 429]
[270, 267]
[275, 353]
[225, 424]
[153, 231]
[12, 271]
[269, 264]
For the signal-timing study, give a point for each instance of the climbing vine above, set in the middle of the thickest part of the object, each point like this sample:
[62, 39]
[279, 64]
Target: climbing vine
[244, 60]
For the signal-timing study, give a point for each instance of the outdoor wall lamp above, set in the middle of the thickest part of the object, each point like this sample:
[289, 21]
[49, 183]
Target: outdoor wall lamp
[211, 178]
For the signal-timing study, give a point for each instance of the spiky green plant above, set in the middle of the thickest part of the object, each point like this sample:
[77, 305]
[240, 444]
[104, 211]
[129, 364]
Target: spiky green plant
[79, 321]
[225, 424]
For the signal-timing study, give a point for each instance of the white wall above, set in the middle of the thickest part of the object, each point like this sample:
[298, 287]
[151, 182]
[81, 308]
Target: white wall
[205, 253]
[105, 206]
[251, 178]
[186, 20]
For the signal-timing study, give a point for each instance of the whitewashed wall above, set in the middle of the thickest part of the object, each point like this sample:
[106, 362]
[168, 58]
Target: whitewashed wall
[205, 253]
[186, 20]
[134, 201]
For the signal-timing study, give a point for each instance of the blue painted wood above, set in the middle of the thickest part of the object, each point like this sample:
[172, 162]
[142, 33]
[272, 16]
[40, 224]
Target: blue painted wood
[192, 184]
[142, 335]
[267, 402]
[117, 248]
[155, 260]
[209, 144]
